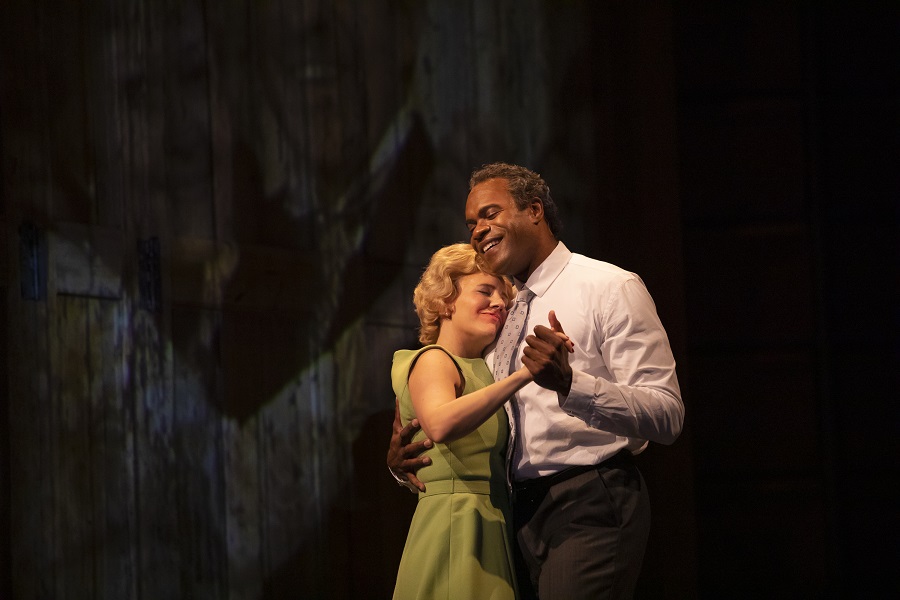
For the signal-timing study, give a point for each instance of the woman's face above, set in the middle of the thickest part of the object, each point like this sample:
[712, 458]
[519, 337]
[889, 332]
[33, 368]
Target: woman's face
[480, 309]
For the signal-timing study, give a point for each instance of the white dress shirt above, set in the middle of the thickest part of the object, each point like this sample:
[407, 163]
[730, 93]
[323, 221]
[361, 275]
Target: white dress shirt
[624, 389]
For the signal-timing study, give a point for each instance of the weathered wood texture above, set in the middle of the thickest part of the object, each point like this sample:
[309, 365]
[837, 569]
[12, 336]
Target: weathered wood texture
[209, 420]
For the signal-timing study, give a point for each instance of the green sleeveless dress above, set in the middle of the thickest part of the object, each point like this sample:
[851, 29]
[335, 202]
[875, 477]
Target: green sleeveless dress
[458, 546]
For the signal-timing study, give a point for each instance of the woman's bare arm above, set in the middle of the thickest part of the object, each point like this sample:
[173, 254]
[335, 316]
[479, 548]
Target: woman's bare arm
[445, 416]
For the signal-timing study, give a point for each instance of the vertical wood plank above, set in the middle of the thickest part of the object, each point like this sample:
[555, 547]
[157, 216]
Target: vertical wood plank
[237, 510]
[227, 56]
[24, 131]
[73, 475]
[157, 533]
[111, 444]
[242, 509]
[244, 469]
[304, 468]
[24, 135]
[63, 53]
[106, 131]
[187, 118]
[198, 445]
[31, 504]
[292, 484]
[137, 51]
[93, 492]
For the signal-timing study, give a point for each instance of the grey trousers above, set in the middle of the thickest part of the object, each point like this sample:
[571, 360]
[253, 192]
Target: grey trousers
[582, 533]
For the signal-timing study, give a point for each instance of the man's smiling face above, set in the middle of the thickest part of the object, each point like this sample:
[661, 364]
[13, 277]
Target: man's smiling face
[500, 232]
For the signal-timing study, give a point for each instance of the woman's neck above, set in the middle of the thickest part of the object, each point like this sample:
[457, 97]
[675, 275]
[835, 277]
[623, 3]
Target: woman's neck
[456, 344]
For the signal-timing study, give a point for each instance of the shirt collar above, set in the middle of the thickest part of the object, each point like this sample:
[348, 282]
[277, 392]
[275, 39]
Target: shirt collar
[548, 270]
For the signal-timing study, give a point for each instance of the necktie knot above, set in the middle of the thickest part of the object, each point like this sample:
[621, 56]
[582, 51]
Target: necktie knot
[524, 295]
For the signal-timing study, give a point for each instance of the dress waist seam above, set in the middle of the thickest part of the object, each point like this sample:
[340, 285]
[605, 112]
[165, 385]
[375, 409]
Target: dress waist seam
[456, 486]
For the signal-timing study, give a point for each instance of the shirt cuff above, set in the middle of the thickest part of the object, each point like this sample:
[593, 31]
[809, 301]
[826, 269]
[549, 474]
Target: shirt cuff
[580, 400]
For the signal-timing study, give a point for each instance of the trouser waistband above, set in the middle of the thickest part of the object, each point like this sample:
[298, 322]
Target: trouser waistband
[621, 459]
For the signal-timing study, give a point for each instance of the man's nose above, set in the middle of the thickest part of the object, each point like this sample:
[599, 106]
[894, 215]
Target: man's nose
[478, 233]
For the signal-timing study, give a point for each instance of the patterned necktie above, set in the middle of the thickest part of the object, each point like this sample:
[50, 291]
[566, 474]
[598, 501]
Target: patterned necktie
[512, 334]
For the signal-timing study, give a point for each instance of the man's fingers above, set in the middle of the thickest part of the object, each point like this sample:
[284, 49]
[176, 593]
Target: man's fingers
[410, 465]
[536, 361]
[412, 480]
[411, 452]
[547, 335]
[537, 346]
[407, 433]
[530, 364]
[536, 353]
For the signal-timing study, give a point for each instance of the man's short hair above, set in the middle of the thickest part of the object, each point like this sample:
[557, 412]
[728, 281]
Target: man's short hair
[524, 186]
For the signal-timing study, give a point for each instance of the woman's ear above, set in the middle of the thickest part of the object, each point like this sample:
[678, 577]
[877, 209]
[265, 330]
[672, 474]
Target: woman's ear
[448, 311]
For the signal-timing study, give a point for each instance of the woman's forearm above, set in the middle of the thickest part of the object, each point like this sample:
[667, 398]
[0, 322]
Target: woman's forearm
[461, 416]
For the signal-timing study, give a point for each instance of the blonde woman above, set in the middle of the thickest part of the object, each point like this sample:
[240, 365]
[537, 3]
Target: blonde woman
[458, 545]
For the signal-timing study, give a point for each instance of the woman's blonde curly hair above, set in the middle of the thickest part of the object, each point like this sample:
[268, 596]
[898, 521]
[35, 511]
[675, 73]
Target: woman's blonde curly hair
[438, 287]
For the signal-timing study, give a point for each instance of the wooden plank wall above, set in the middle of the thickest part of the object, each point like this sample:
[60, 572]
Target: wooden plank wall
[232, 202]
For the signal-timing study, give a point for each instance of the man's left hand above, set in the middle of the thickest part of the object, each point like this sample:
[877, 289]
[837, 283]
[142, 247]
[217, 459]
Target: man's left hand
[547, 356]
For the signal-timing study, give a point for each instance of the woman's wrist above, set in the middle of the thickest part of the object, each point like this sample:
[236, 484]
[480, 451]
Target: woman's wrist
[524, 374]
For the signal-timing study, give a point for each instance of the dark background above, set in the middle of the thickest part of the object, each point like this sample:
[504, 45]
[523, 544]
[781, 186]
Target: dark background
[209, 420]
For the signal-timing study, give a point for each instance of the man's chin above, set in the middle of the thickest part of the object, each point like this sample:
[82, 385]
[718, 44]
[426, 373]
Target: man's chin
[494, 263]
[501, 268]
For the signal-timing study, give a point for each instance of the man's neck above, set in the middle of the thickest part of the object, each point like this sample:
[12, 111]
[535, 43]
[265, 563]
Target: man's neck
[544, 250]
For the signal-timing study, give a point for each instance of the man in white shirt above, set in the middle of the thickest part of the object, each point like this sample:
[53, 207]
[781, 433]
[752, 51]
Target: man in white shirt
[581, 509]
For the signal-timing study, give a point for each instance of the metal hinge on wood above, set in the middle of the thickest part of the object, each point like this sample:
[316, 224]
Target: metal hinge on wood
[33, 261]
[149, 276]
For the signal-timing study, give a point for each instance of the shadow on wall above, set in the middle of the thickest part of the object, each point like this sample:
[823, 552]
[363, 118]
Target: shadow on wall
[330, 298]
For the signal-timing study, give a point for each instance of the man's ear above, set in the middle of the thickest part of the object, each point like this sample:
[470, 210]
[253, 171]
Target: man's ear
[536, 211]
